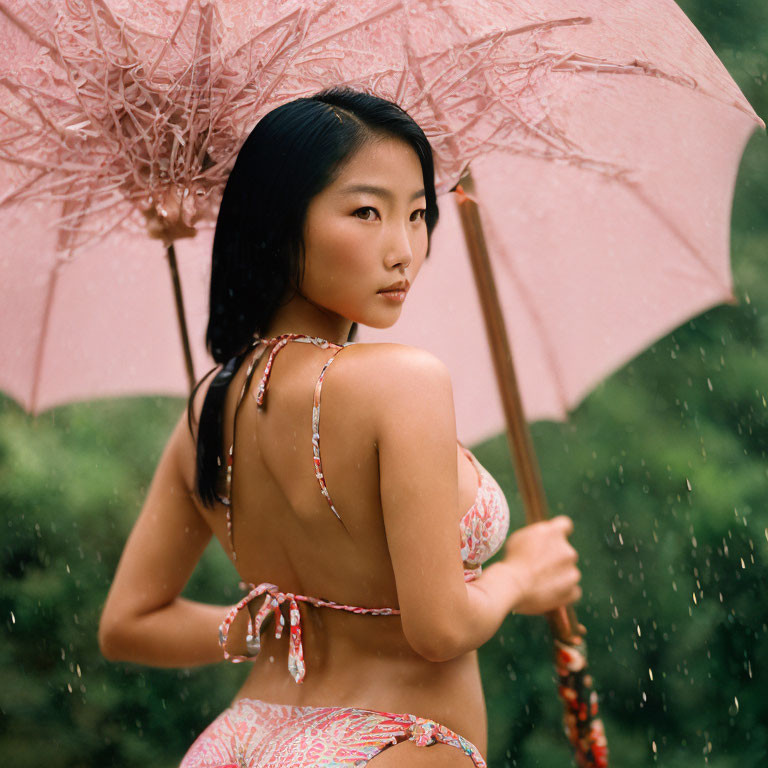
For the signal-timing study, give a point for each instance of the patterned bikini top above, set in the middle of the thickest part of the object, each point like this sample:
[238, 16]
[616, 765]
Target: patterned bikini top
[482, 528]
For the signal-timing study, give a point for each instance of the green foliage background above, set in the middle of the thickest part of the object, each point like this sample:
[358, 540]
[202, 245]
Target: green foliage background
[663, 469]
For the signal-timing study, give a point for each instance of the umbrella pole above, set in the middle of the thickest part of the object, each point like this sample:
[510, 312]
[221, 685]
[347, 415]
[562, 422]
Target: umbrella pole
[563, 620]
[582, 726]
[171, 255]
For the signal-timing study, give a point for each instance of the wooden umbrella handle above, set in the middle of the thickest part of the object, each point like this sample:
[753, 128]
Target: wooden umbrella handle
[562, 620]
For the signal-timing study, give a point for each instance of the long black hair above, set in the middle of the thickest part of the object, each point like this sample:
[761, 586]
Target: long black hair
[291, 155]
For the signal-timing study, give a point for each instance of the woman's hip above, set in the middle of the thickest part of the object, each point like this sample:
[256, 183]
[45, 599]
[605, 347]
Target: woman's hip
[258, 734]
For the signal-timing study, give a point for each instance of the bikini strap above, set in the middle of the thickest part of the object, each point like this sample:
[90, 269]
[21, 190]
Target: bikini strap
[280, 343]
[316, 436]
[274, 598]
[277, 343]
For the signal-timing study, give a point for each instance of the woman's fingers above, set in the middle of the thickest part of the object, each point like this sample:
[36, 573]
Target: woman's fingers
[542, 553]
[562, 523]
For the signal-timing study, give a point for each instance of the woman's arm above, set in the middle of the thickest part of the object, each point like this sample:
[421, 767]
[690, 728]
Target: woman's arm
[144, 619]
[444, 617]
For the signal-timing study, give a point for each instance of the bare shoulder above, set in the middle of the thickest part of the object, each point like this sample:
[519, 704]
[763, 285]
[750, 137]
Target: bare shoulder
[394, 382]
[384, 366]
[391, 371]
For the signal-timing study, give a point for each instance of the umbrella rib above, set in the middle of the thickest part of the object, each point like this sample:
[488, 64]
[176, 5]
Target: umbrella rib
[18, 191]
[101, 234]
[170, 39]
[545, 345]
[262, 32]
[42, 337]
[203, 42]
[578, 62]
[47, 311]
[501, 35]
[384, 12]
[23, 191]
[675, 230]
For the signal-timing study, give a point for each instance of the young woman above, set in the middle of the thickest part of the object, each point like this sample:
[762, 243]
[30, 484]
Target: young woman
[366, 559]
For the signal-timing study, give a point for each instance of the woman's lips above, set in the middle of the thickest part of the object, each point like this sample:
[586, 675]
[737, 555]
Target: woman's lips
[394, 295]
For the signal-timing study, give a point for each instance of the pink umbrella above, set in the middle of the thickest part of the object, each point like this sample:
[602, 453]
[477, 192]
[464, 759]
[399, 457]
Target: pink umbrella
[604, 143]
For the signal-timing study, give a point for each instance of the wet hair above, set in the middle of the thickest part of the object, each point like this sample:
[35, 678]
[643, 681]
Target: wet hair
[291, 155]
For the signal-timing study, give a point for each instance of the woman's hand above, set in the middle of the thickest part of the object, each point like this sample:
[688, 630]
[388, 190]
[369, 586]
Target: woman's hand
[541, 562]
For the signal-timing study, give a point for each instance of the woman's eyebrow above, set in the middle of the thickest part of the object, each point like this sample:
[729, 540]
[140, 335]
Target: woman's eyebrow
[379, 191]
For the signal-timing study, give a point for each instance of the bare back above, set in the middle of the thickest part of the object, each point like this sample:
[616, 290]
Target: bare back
[285, 533]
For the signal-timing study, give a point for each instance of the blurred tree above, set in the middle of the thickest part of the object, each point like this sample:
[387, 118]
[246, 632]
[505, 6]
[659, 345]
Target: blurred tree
[71, 483]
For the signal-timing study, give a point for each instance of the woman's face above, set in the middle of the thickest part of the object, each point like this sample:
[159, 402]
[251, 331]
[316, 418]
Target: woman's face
[365, 231]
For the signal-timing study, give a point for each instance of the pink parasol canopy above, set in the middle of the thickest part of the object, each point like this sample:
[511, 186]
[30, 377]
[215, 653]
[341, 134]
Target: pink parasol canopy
[604, 139]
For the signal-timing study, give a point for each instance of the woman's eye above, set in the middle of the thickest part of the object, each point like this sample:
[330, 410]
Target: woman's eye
[368, 213]
[364, 211]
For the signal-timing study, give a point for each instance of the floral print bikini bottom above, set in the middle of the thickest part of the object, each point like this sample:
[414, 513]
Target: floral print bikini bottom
[258, 734]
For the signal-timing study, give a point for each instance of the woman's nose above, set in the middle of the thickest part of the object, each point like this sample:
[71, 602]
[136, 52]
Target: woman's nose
[400, 250]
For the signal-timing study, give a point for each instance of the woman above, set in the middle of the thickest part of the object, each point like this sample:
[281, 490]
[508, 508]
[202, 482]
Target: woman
[370, 555]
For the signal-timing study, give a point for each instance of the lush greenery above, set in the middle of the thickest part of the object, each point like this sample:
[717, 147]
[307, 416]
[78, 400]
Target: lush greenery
[663, 469]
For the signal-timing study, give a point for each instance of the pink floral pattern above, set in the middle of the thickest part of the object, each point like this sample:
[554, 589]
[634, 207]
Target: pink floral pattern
[485, 525]
[258, 734]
